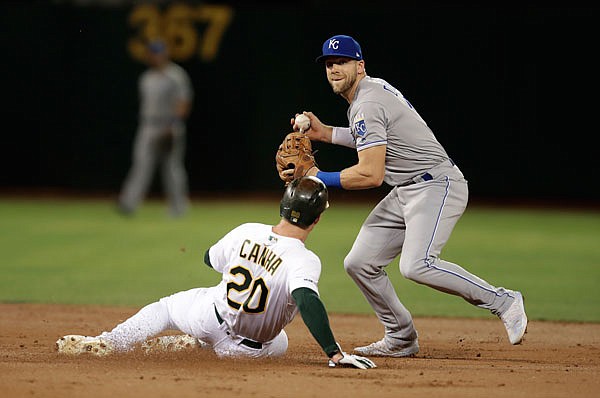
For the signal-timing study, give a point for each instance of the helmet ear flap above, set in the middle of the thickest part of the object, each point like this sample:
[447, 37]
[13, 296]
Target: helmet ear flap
[303, 201]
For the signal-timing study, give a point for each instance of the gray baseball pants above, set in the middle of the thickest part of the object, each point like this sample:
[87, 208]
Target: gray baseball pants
[416, 221]
[147, 152]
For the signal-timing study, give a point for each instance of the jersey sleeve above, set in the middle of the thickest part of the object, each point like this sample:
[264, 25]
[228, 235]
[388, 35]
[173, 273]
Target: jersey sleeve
[305, 272]
[219, 252]
[184, 85]
[368, 125]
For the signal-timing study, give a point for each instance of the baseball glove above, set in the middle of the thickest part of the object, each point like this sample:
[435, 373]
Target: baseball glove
[294, 153]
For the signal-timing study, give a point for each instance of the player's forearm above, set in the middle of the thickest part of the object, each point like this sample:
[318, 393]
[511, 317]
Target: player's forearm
[321, 133]
[356, 177]
[182, 109]
[367, 173]
[315, 317]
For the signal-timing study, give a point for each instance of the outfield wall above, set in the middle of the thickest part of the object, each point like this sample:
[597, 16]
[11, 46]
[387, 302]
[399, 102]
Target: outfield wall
[508, 91]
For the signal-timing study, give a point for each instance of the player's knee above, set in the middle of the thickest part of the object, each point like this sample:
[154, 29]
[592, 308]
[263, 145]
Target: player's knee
[278, 346]
[353, 265]
[413, 268]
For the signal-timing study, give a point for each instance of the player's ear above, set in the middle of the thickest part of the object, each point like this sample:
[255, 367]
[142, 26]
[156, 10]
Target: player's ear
[360, 66]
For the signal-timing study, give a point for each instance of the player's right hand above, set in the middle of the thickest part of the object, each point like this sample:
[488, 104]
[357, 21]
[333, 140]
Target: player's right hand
[352, 360]
[317, 131]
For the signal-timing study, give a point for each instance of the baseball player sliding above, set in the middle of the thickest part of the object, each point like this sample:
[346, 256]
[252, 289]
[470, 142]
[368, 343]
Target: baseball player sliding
[428, 195]
[268, 276]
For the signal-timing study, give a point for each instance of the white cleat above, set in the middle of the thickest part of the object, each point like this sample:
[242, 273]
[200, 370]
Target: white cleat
[74, 344]
[172, 343]
[381, 349]
[515, 320]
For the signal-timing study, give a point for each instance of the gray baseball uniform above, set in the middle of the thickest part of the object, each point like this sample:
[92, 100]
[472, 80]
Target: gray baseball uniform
[159, 91]
[416, 218]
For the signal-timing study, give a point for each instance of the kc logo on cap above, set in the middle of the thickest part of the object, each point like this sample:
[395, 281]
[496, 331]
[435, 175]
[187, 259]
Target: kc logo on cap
[341, 46]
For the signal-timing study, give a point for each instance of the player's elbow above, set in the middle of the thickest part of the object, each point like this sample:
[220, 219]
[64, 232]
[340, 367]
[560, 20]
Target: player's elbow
[373, 179]
[377, 180]
[371, 173]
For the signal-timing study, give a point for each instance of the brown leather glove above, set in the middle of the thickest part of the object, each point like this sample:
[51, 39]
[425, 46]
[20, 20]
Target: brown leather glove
[295, 153]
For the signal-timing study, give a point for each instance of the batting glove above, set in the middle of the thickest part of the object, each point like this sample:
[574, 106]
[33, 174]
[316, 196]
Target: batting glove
[351, 360]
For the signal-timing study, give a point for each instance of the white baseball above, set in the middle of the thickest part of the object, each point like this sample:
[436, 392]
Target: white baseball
[303, 122]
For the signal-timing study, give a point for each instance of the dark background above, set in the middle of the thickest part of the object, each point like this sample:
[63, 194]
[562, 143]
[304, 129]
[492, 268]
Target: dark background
[510, 91]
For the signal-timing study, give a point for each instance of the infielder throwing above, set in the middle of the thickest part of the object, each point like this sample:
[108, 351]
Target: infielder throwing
[268, 276]
[166, 94]
[429, 194]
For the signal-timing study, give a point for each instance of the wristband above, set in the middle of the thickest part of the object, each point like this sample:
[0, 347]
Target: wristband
[330, 178]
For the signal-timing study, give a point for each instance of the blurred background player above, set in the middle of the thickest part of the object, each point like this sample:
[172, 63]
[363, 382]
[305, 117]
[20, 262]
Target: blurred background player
[268, 276]
[166, 95]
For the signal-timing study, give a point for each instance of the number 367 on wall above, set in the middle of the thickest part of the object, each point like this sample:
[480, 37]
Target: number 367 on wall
[178, 25]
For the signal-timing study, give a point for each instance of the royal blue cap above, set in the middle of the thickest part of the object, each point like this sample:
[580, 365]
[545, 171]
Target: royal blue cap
[157, 47]
[341, 46]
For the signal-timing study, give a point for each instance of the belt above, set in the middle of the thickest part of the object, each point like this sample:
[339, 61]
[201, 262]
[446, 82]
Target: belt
[424, 177]
[421, 178]
[248, 343]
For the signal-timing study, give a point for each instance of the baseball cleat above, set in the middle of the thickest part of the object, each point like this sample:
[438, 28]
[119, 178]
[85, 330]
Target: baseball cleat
[515, 320]
[75, 344]
[381, 349]
[172, 343]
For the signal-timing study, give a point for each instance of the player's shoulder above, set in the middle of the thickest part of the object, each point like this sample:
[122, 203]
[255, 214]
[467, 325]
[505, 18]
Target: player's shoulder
[312, 255]
[376, 89]
[302, 256]
[374, 94]
[177, 71]
[250, 227]
[175, 66]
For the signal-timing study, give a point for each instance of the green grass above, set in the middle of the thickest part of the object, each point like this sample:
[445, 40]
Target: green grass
[67, 251]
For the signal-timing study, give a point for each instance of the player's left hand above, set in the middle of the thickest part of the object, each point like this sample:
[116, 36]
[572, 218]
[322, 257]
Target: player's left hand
[351, 360]
[294, 158]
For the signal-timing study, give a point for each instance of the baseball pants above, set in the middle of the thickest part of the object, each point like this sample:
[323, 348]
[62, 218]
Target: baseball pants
[147, 153]
[416, 221]
[191, 312]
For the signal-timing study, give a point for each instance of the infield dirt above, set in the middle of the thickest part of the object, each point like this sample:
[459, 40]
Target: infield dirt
[458, 358]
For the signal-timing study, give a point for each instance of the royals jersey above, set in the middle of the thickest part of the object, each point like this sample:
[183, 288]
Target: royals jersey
[260, 270]
[160, 90]
[380, 115]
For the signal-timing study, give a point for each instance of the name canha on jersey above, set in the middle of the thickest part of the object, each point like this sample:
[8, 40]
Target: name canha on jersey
[260, 270]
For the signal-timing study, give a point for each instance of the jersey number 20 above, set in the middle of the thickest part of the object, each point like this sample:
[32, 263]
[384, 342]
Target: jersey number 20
[250, 286]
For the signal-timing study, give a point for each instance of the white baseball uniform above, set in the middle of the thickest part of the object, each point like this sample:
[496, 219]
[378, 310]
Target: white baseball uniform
[244, 315]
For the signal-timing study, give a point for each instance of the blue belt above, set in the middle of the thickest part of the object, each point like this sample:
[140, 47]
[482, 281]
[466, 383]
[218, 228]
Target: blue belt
[426, 176]
[248, 343]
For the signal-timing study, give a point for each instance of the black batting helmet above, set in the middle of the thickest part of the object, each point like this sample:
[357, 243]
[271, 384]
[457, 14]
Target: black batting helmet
[303, 201]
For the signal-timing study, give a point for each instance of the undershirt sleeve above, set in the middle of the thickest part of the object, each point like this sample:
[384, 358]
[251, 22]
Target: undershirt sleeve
[315, 317]
[342, 136]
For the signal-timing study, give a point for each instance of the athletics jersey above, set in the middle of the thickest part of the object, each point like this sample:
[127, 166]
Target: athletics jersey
[380, 115]
[160, 90]
[260, 270]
